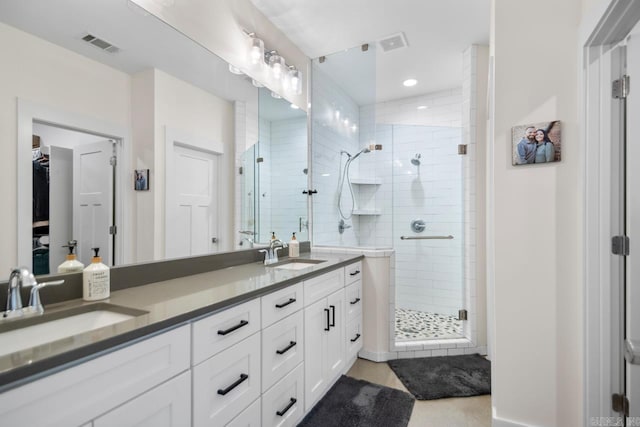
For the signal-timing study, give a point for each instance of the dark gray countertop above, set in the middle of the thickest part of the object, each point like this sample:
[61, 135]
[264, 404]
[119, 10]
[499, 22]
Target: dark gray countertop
[169, 303]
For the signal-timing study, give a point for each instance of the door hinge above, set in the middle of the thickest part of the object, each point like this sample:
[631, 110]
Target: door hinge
[620, 88]
[113, 161]
[462, 149]
[113, 229]
[620, 245]
[462, 314]
[620, 404]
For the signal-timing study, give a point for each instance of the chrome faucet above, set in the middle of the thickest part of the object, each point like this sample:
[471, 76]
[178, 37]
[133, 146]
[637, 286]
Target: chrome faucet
[271, 254]
[21, 278]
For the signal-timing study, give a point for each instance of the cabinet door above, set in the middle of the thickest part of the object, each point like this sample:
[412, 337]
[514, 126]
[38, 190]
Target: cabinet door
[352, 272]
[168, 405]
[353, 302]
[250, 417]
[283, 405]
[316, 330]
[321, 286]
[336, 337]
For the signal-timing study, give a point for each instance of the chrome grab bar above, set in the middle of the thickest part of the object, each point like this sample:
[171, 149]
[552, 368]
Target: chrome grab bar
[449, 237]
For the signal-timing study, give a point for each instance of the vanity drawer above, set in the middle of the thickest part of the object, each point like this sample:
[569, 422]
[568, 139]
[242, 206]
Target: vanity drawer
[250, 417]
[323, 285]
[354, 300]
[283, 405]
[354, 338]
[281, 304]
[353, 272]
[222, 330]
[224, 385]
[282, 348]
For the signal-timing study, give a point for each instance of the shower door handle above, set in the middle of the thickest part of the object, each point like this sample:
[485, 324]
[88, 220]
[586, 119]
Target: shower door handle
[425, 237]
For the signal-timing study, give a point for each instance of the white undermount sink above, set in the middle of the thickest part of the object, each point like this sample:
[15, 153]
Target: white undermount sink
[26, 333]
[298, 264]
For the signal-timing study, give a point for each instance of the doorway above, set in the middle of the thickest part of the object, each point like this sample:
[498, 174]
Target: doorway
[73, 196]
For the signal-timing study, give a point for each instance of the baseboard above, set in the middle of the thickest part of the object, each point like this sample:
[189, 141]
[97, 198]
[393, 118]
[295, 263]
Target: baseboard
[501, 422]
[375, 356]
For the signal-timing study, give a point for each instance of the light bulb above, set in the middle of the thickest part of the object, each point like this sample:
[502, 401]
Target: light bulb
[277, 64]
[256, 50]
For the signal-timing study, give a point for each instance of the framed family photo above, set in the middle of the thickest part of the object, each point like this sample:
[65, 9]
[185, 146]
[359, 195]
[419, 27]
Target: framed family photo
[141, 180]
[536, 143]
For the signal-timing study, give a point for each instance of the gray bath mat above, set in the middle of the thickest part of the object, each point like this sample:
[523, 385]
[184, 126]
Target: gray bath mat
[430, 378]
[358, 403]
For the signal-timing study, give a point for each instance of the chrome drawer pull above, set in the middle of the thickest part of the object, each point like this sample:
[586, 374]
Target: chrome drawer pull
[243, 377]
[355, 301]
[291, 301]
[287, 348]
[356, 338]
[284, 411]
[233, 328]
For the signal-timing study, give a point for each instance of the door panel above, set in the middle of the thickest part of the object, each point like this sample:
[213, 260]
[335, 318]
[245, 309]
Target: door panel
[192, 191]
[93, 200]
[632, 302]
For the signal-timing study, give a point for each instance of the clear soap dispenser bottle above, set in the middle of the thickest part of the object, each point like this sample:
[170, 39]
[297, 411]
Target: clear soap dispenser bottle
[95, 279]
[71, 265]
[294, 247]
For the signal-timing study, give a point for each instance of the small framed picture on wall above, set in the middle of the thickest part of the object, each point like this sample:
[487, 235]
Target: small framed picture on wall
[536, 143]
[141, 180]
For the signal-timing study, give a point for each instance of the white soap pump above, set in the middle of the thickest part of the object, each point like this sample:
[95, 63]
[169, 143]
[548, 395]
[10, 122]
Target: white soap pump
[71, 265]
[294, 247]
[95, 279]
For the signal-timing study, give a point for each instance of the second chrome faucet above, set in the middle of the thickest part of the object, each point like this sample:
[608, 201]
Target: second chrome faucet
[271, 254]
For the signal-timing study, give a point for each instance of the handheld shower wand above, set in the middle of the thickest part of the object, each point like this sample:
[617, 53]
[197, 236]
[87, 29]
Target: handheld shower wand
[345, 173]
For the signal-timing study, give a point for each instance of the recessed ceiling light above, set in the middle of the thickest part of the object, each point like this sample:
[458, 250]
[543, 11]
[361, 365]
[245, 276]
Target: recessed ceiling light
[410, 82]
[422, 107]
[295, 107]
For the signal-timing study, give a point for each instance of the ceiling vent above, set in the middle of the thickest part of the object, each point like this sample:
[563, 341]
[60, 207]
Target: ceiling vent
[101, 44]
[393, 42]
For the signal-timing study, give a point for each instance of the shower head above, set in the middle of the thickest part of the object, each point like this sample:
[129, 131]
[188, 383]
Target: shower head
[416, 160]
[364, 150]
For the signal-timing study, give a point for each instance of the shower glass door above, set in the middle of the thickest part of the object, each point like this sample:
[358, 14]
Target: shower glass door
[428, 231]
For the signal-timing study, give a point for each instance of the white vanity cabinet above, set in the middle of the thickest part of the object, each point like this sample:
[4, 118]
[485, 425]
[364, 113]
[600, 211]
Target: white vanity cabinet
[86, 392]
[353, 304]
[324, 351]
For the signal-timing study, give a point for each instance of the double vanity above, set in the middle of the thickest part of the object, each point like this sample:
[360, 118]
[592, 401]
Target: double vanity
[245, 344]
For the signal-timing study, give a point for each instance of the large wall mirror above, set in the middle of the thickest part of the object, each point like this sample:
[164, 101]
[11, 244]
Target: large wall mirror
[100, 92]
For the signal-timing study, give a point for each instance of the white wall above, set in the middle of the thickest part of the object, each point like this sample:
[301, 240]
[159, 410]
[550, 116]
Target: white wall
[43, 73]
[537, 346]
[188, 109]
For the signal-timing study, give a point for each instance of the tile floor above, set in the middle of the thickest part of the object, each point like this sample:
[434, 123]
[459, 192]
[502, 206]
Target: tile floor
[454, 412]
[413, 324]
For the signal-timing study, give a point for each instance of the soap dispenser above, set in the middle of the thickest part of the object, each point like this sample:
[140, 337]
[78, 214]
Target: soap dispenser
[294, 247]
[71, 265]
[95, 279]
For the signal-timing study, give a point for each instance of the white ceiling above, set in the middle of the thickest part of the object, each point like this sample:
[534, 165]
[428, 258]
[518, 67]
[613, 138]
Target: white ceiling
[437, 31]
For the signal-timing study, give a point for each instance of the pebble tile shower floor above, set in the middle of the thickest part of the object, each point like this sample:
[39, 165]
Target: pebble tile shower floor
[413, 324]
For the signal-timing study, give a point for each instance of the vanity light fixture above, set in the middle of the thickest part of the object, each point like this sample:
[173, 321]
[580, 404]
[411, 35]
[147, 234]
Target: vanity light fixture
[256, 50]
[295, 107]
[410, 82]
[256, 83]
[294, 78]
[275, 95]
[277, 65]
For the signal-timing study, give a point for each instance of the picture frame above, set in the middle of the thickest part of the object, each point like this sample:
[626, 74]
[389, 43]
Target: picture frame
[141, 180]
[536, 143]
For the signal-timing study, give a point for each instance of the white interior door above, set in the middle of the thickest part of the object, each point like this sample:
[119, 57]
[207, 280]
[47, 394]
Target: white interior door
[192, 194]
[632, 300]
[93, 199]
[60, 204]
